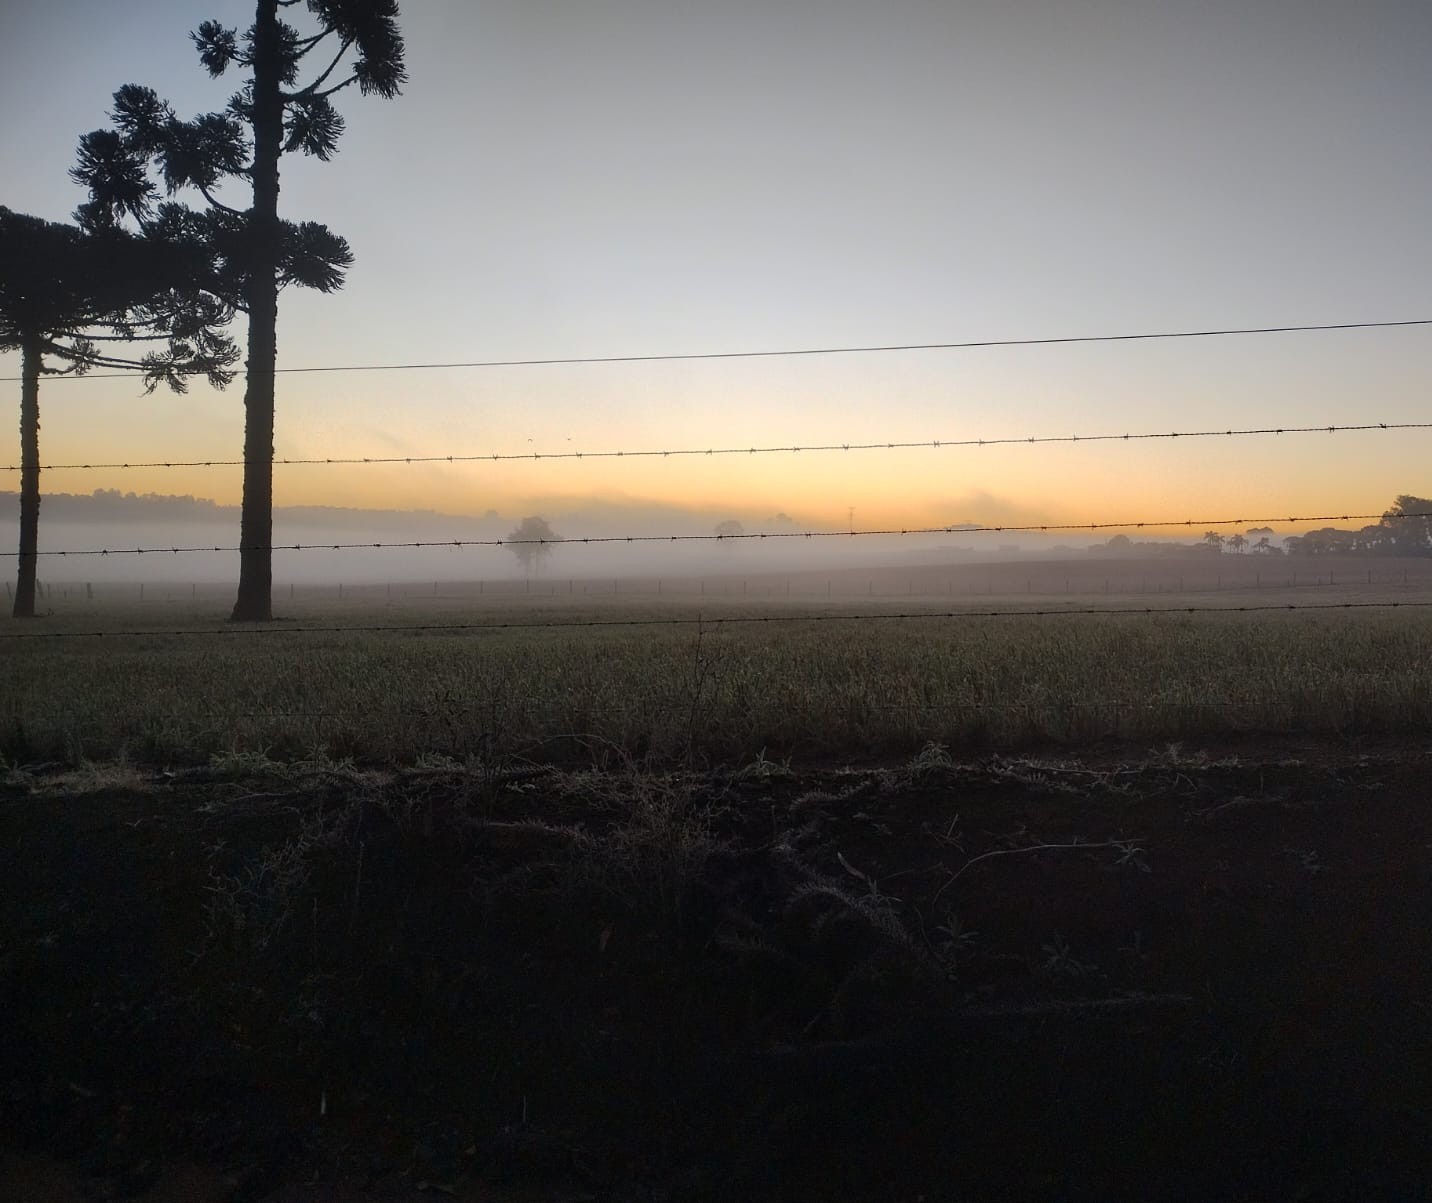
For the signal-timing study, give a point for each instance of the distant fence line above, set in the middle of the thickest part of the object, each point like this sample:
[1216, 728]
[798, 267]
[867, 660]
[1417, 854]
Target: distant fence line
[748, 617]
[730, 587]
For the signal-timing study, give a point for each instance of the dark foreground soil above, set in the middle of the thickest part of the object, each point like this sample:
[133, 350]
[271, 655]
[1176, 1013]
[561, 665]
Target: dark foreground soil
[1174, 975]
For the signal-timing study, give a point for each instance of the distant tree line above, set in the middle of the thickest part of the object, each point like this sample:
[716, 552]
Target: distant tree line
[1403, 530]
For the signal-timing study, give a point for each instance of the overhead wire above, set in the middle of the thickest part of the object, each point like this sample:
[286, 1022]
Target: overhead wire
[829, 350]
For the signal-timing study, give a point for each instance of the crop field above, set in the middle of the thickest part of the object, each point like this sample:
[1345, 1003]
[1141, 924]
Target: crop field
[711, 680]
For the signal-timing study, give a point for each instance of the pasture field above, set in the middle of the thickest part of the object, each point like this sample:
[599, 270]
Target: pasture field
[703, 680]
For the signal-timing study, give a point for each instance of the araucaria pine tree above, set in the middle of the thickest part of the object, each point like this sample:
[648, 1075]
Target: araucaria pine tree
[274, 113]
[72, 299]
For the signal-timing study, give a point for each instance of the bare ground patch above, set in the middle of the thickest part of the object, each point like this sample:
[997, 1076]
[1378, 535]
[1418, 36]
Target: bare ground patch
[1195, 973]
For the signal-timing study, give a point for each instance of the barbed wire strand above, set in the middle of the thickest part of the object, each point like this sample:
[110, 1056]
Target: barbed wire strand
[665, 453]
[705, 621]
[585, 540]
[801, 351]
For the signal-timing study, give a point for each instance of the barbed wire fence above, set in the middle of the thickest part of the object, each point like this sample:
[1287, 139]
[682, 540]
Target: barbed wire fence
[812, 446]
[808, 583]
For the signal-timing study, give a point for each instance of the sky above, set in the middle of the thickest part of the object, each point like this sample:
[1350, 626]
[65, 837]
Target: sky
[624, 177]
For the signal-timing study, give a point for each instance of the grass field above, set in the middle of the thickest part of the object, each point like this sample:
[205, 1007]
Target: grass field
[709, 680]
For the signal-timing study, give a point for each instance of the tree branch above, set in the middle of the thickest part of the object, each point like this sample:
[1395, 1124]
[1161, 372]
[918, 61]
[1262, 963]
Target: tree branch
[132, 337]
[317, 83]
[352, 79]
[218, 204]
[309, 43]
[94, 361]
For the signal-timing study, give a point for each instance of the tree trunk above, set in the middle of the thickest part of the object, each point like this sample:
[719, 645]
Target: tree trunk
[30, 355]
[255, 599]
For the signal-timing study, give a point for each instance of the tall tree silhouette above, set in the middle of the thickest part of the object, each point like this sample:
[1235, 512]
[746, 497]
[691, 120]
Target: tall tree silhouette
[272, 114]
[64, 291]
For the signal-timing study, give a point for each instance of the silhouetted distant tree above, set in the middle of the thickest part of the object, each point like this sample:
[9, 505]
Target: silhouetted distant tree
[1372, 541]
[1213, 541]
[272, 114]
[1409, 526]
[531, 543]
[1327, 540]
[68, 295]
[1236, 543]
[729, 529]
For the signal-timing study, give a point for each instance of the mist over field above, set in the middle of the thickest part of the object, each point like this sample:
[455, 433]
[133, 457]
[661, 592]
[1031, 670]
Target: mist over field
[118, 521]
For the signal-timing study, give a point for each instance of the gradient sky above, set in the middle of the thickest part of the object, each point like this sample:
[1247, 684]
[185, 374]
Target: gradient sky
[630, 177]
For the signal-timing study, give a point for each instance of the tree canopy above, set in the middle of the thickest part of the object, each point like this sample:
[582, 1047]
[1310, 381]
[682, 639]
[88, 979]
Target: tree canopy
[66, 291]
[69, 297]
[531, 543]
